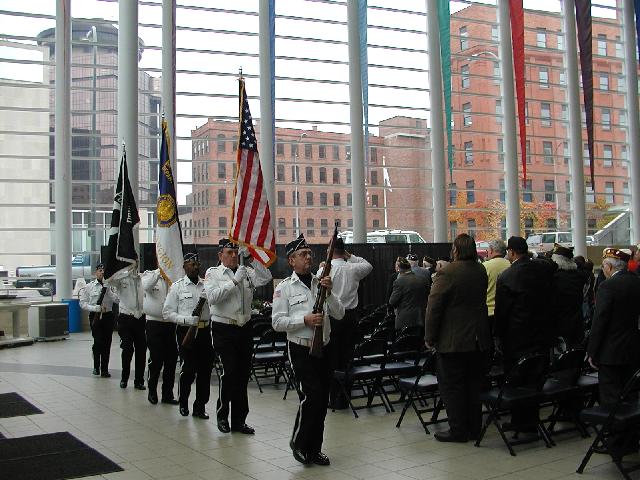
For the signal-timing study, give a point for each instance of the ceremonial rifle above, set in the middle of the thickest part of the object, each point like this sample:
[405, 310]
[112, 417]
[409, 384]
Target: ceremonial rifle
[191, 333]
[98, 315]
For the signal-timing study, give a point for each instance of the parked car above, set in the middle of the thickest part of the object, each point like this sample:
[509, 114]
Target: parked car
[387, 236]
[482, 248]
[43, 277]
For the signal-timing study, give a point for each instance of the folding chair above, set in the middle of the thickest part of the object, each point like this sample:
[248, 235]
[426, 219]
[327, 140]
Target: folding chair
[403, 357]
[419, 391]
[522, 388]
[269, 357]
[621, 417]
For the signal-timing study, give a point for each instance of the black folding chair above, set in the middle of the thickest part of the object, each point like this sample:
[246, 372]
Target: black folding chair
[402, 361]
[269, 358]
[619, 418]
[522, 389]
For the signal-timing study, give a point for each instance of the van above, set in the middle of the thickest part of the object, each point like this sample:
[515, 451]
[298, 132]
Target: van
[387, 236]
[548, 239]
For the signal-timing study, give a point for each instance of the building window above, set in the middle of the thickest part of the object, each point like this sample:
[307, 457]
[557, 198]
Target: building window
[625, 191]
[464, 38]
[494, 33]
[563, 78]
[323, 175]
[606, 119]
[498, 111]
[560, 42]
[336, 176]
[323, 199]
[500, 150]
[282, 226]
[280, 173]
[222, 170]
[453, 229]
[222, 196]
[604, 81]
[545, 114]
[308, 174]
[464, 72]
[279, 148]
[468, 153]
[501, 189]
[374, 200]
[308, 150]
[619, 51]
[585, 153]
[471, 194]
[590, 196]
[373, 154]
[466, 114]
[348, 176]
[309, 199]
[222, 225]
[543, 77]
[295, 198]
[608, 156]
[471, 227]
[552, 224]
[336, 199]
[609, 193]
[374, 177]
[336, 152]
[222, 145]
[453, 194]
[349, 199]
[375, 223]
[324, 224]
[622, 118]
[527, 191]
[322, 151]
[564, 112]
[541, 38]
[347, 152]
[526, 113]
[311, 227]
[623, 154]
[549, 191]
[295, 173]
[602, 44]
[294, 150]
[280, 197]
[547, 150]
[350, 223]
[496, 72]
[565, 151]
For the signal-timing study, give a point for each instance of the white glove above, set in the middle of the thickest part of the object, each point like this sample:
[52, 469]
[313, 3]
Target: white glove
[191, 320]
[241, 274]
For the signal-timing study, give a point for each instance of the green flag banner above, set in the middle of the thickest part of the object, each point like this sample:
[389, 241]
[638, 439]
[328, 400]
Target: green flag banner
[444, 19]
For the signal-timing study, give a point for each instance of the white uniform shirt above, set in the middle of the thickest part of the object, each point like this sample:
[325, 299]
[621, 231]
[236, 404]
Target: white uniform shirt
[292, 300]
[155, 293]
[129, 289]
[225, 298]
[346, 276]
[91, 292]
[181, 300]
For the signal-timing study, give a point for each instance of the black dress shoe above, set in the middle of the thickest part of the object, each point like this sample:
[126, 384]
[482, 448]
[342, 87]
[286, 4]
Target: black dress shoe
[184, 411]
[139, 386]
[96, 371]
[223, 425]
[447, 436]
[152, 397]
[299, 455]
[203, 415]
[105, 375]
[246, 429]
[170, 401]
[123, 384]
[319, 459]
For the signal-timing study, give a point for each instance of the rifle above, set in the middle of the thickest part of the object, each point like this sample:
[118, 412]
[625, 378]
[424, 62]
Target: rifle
[97, 316]
[318, 306]
[191, 333]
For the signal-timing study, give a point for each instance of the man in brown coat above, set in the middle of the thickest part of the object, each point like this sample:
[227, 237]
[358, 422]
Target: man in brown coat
[457, 326]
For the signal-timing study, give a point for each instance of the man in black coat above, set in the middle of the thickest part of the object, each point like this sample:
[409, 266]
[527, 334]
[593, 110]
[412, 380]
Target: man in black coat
[614, 338]
[522, 314]
[409, 296]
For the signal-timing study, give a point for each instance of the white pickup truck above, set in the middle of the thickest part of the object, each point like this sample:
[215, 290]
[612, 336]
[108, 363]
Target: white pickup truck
[43, 277]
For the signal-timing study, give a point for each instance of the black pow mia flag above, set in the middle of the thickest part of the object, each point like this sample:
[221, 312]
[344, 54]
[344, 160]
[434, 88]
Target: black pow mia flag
[121, 251]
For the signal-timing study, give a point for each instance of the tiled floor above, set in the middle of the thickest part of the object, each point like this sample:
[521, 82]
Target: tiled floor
[156, 442]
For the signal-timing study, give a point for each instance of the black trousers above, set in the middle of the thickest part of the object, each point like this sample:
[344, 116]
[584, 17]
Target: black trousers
[527, 416]
[460, 377]
[133, 339]
[197, 363]
[313, 376]
[611, 380]
[163, 353]
[234, 345]
[102, 333]
[341, 347]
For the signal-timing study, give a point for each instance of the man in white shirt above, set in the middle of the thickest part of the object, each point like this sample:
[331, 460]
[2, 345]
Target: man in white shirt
[347, 270]
[229, 288]
[197, 351]
[293, 302]
[99, 305]
[161, 338]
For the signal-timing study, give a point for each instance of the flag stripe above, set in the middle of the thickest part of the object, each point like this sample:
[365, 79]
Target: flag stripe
[245, 162]
[584, 23]
[517, 40]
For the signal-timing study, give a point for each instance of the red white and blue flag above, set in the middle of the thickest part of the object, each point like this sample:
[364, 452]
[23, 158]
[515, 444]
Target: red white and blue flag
[251, 217]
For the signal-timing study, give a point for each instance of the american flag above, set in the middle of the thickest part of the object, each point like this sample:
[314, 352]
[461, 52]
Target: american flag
[251, 218]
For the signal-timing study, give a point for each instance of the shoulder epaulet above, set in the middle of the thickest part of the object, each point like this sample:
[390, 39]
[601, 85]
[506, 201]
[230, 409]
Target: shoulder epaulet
[287, 279]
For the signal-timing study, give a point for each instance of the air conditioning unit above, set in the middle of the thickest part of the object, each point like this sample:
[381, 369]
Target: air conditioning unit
[49, 321]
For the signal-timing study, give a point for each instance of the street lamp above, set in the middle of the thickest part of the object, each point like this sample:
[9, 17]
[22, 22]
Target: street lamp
[296, 180]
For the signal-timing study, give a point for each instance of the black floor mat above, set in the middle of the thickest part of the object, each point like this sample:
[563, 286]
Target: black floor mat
[13, 405]
[52, 456]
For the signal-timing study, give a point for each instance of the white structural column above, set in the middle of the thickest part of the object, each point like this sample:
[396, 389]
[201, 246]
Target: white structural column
[631, 73]
[436, 121]
[266, 109]
[509, 125]
[578, 218]
[357, 134]
[128, 88]
[63, 150]
[169, 74]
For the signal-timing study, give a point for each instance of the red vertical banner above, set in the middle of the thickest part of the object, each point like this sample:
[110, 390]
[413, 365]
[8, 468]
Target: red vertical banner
[516, 13]
[583, 24]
